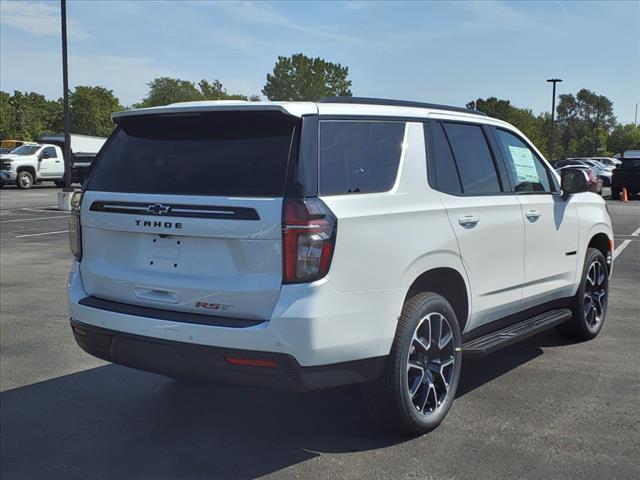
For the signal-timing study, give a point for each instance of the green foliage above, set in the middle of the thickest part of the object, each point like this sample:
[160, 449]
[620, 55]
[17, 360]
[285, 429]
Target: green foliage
[300, 78]
[90, 110]
[25, 116]
[165, 90]
[523, 119]
[586, 118]
[624, 137]
[585, 125]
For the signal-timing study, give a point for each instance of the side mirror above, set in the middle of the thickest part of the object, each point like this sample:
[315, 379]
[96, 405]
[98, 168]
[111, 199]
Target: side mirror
[573, 180]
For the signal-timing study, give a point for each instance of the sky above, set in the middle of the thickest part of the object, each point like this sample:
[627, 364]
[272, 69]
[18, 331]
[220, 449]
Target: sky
[440, 52]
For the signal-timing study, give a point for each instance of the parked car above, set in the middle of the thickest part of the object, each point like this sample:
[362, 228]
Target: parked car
[595, 175]
[602, 171]
[626, 175]
[310, 245]
[607, 162]
[34, 163]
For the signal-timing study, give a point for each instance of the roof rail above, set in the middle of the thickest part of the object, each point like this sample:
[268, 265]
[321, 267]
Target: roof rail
[398, 103]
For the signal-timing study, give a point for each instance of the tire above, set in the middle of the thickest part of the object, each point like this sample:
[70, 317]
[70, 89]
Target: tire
[59, 183]
[24, 181]
[421, 377]
[589, 306]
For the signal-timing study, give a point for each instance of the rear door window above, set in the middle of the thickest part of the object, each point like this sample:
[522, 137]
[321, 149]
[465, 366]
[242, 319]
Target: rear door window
[359, 156]
[527, 173]
[473, 158]
[443, 173]
[242, 154]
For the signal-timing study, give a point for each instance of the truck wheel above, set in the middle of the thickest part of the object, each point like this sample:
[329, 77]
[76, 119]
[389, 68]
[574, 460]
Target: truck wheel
[422, 372]
[590, 303]
[59, 183]
[24, 180]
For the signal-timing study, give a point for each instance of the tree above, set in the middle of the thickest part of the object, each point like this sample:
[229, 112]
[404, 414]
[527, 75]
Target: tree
[6, 116]
[587, 119]
[521, 118]
[165, 90]
[216, 91]
[90, 110]
[624, 137]
[300, 78]
[25, 116]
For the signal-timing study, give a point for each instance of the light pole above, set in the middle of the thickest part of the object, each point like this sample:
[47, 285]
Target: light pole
[65, 86]
[553, 114]
[635, 119]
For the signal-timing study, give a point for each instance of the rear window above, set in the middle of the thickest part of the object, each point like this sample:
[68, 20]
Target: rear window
[218, 153]
[359, 156]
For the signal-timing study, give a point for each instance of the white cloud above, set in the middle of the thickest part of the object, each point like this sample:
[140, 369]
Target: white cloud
[261, 14]
[40, 19]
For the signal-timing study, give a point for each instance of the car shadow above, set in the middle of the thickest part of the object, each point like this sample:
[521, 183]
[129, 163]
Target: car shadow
[114, 422]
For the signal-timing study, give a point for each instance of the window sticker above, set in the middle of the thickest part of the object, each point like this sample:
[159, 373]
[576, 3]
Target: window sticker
[524, 164]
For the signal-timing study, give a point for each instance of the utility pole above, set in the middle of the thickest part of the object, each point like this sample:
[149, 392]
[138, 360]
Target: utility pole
[553, 115]
[635, 119]
[65, 86]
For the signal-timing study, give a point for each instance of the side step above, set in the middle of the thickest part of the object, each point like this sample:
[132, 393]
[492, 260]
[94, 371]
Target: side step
[515, 333]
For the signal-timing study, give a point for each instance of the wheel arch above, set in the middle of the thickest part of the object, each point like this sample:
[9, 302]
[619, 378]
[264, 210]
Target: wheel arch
[601, 242]
[29, 169]
[449, 283]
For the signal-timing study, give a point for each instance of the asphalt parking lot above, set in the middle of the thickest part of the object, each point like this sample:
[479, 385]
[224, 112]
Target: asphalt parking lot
[546, 408]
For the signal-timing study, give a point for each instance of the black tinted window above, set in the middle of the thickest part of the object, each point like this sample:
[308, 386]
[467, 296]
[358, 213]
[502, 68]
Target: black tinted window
[359, 157]
[444, 173]
[49, 152]
[477, 171]
[222, 153]
[524, 167]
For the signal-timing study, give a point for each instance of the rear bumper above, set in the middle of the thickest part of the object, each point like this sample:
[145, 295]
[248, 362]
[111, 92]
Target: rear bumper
[184, 359]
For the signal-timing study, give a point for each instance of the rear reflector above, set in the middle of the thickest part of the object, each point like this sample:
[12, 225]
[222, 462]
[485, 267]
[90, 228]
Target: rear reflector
[251, 362]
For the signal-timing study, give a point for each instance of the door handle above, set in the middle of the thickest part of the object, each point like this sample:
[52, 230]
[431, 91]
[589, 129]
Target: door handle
[57, 161]
[468, 221]
[533, 215]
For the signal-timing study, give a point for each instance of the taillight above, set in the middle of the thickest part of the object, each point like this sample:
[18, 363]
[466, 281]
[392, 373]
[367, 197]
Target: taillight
[75, 230]
[308, 239]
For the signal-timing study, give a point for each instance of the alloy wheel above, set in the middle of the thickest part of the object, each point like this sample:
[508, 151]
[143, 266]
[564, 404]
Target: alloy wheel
[430, 363]
[595, 294]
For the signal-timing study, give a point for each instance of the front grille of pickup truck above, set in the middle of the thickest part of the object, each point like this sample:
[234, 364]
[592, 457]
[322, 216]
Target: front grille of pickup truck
[4, 165]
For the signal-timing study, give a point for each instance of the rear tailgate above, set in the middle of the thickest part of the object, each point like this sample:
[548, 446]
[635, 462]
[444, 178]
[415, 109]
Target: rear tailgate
[184, 213]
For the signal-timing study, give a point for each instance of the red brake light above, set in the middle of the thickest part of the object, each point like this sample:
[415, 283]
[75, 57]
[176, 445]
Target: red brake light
[308, 239]
[251, 362]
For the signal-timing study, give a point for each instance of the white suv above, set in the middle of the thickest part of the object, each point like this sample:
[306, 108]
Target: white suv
[310, 245]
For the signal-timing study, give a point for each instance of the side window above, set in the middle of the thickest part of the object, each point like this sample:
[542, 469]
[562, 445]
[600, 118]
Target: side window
[473, 158]
[359, 156]
[526, 171]
[444, 175]
[50, 152]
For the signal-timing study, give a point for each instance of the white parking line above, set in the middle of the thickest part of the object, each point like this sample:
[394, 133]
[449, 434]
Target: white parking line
[31, 219]
[625, 244]
[39, 234]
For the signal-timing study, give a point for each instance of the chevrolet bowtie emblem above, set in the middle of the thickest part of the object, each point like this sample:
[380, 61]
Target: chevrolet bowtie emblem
[158, 209]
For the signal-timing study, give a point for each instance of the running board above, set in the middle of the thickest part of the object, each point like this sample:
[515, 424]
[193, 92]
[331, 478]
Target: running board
[514, 333]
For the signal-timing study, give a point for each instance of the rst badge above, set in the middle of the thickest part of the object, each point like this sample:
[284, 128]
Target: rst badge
[213, 306]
